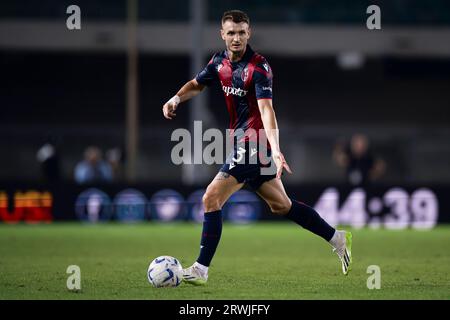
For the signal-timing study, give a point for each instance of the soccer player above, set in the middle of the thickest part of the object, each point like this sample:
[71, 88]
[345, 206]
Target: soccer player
[246, 80]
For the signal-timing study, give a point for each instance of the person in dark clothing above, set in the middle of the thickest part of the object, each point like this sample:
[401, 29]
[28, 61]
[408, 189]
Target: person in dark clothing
[361, 165]
[49, 160]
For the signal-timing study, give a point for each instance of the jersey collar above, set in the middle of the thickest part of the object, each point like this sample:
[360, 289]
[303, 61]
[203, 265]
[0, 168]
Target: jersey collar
[247, 55]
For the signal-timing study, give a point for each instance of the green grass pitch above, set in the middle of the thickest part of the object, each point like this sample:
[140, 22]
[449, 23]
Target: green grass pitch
[260, 261]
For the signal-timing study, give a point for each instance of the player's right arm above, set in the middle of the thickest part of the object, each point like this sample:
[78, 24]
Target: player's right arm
[192, 88]
[188, 91]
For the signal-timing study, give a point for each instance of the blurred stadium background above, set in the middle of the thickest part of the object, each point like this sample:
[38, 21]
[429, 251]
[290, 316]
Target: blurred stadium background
[62, 91]
[333, 78]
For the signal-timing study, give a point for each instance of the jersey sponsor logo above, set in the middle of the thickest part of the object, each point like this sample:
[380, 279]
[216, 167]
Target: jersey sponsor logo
[253, 152]
[234, 91]
[267, 88]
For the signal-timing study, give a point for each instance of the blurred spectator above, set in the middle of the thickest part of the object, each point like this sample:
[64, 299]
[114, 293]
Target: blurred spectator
[361, 165]
[48, 157]
[115, 158]
[93, 169]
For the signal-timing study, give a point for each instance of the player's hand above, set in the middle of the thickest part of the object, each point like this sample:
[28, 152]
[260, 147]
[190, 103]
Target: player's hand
[170, 107]
[281, 164]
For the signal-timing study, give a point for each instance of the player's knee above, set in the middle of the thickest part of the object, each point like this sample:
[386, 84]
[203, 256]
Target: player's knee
[280, 208]
[211, 201]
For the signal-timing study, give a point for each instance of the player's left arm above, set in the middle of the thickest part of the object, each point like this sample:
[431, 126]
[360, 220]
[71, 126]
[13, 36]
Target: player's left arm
[272, 132]
[263, 88]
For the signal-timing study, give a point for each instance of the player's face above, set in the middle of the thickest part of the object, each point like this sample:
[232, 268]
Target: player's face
[235, 35]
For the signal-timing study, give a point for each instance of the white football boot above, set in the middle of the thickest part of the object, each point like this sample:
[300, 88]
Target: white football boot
[194, 275]
[342, 245]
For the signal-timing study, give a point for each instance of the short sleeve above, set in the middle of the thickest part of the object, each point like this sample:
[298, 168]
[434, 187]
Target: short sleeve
[208, 75]
[263, 80]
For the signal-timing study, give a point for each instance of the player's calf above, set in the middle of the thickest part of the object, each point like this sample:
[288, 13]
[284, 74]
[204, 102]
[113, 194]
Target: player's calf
[309, 219]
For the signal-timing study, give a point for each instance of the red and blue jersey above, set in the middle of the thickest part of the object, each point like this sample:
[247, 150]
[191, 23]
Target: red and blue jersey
[243, 83]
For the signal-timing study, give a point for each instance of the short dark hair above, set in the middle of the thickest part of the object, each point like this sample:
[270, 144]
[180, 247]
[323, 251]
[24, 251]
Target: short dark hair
[236, 16]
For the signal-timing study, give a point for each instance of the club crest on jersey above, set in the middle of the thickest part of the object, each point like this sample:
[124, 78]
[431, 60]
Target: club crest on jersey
[219, 66]
[266, 66]
[244, 74]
